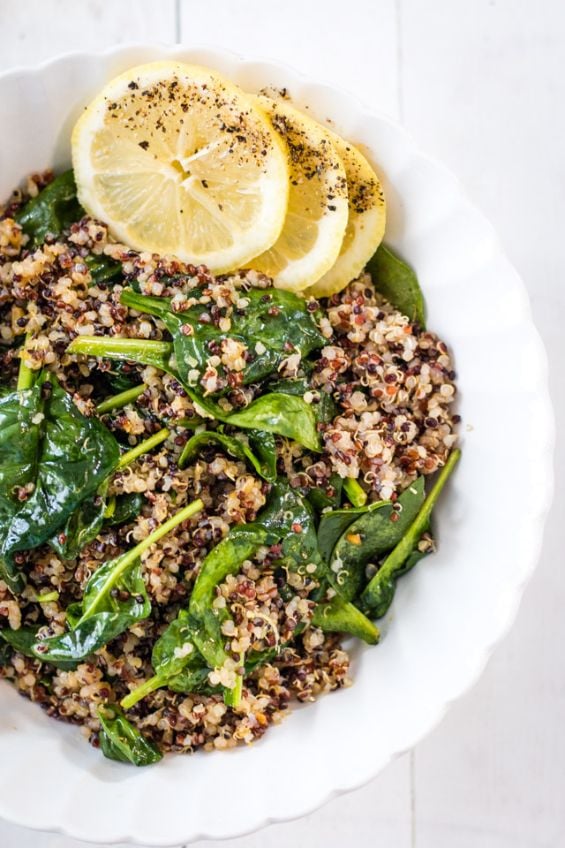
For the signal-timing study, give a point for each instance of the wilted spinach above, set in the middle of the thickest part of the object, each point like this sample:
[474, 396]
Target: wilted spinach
[334, 523]
[84, 524]
[283, 414]
[372, 534]
[273, 324]
[51, 459]
[20, 640]
[259, 450]
[115, 597]
[323, 496]
[377, 596]
[102, 268]
[323, 405]
[120, 740]
[226, 558]
[175, 661]
[126, 508]
[341, 616]
[289, 520]
[53, 210]
[277, 413]
[23, 640]
[196, 632]
[398, 284]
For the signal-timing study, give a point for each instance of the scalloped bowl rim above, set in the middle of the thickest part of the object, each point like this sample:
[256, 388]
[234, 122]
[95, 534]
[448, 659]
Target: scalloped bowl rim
[543, 458]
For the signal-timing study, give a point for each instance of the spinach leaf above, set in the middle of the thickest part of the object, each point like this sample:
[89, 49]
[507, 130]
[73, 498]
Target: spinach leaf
[276, 413]
[343, 617]
[174, 660]
[120, 740]
[398, 284]
[321, 498]
[115, 598]
[103, 615]
[190, 680]
[226, 558]
[12, 576]
[81, 527]
[283, 414]
[263, 460]
[289, 519]
[335, 522]
[53, 210]
[273, 324]
[378, 595]
[324, 407]
[102, 268]
[127, 508]
[174, 655]
[46, 446]
[20, 640]
[23, 640]
[199, 627]
[84, 524]
[174, 650]
[264, 447]
[371, 535]
[122, 376]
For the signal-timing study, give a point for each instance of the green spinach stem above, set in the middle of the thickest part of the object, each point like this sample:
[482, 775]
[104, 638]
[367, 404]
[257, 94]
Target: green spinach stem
[142, 691]
[145, 351]
[110, 507]
[120, 400]
[26, 376]
[355, 492]
[47, 597]
[232, 697]
[126, 560]
[143, 447]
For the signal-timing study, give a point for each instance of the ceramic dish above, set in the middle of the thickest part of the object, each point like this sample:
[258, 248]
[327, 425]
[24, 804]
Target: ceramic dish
[447, 615]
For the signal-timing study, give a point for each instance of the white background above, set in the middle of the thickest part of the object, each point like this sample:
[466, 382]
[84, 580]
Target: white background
[481, 85]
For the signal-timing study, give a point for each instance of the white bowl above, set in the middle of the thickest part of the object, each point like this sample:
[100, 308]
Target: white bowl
[448, 613]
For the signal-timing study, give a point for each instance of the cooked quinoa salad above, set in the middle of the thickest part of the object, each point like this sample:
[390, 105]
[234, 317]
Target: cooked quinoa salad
[208, 485]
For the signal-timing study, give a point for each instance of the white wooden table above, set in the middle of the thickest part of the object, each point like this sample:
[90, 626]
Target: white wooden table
[481, 84]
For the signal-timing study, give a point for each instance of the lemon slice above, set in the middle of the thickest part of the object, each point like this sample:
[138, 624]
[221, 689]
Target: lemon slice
[365, 225]
[177, 160]
[316, 216]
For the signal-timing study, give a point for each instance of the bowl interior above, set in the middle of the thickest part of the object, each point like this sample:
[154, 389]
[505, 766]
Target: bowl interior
[447, 613]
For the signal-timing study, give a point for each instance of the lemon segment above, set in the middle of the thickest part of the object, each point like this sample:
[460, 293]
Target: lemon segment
[317, 210]
[179, 161]
[365, 224]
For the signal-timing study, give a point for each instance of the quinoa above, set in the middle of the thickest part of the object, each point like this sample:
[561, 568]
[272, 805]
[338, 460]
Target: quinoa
[393, 386]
